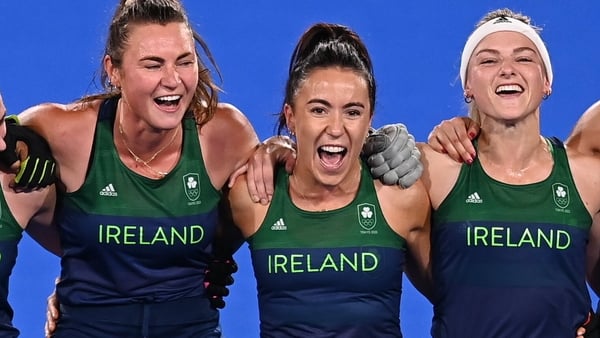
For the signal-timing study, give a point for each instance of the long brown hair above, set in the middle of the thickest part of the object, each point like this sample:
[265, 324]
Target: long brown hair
[160, 12]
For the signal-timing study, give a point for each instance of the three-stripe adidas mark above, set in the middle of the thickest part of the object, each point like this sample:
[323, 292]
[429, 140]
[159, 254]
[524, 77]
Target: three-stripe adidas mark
[109, 190]
[474, 198]
[279, 225]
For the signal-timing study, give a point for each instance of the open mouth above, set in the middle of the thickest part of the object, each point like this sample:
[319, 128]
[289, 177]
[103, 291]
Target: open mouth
[171, 100]
[509, 89]
[332, 156]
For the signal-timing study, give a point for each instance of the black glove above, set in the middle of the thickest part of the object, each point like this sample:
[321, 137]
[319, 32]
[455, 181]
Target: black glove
[392, 155]
[218, 278]
[38, 168]
[592, 325]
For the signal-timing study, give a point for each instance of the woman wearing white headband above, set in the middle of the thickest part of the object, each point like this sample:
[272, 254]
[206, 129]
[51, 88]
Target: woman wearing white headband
[510, 226]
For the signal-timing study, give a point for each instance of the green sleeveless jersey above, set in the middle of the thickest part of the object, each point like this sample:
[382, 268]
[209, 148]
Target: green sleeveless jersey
[128, 238]
[10, 235]
[335, 272]
[508, 260]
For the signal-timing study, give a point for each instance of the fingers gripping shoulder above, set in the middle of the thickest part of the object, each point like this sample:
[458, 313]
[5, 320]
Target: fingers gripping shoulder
[37, 165]
[392, 155]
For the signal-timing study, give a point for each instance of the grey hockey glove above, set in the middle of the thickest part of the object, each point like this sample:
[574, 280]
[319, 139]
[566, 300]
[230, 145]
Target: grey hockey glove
[392, 155]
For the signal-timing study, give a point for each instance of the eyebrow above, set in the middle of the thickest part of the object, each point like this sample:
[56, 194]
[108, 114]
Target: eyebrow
[516, 50]
[159, 59]
[347, 105]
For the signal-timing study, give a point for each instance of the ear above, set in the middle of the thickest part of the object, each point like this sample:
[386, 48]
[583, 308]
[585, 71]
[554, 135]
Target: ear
[547, 87]
[467, 91]
[290, 118]
[370, 127]
[112, 71]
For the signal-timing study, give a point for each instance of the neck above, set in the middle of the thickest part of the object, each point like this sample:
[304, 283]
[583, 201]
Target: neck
[310, 194]
[511, 148]
[151, 153]
[515, 160]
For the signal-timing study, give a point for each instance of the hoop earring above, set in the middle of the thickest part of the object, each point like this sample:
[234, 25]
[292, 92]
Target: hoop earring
[468, 99]
[113, 87]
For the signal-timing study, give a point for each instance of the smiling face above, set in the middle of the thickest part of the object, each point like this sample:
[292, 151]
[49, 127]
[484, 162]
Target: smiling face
[330, 115]
[506, 76]
[158, 74]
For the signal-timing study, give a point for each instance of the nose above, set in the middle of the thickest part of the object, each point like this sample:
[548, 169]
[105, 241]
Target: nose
[507, 68]
[335, 124]
[170, 78]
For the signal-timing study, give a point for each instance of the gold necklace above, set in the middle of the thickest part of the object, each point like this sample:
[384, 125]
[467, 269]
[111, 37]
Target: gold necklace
[137, 159]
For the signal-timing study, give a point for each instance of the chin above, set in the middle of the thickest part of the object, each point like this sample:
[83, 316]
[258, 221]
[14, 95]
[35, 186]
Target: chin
[331, 178]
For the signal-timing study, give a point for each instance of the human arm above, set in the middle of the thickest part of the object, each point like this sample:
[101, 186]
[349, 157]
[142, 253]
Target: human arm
[229, 238]
[418, 238]
[392, 156]
[246, 215]
[261, 165]
[52, 312]
[230, 147]
[42, 228]
[221, 267]
[454, 137]
[591, 328]
[390, 153]
[27, 155]
[70, 139]
[584, 137]
[227, 143]
[593, 255]
[408, 213]
[34, 212]
[418, 267]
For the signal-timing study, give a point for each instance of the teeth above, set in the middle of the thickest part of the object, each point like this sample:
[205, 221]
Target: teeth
[169, 98]
[332, 149]
[509, 88]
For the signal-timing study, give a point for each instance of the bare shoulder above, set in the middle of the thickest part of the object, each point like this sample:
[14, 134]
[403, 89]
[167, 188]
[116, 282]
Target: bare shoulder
[230, 128]
[229, 118]
[440, 173]
[69, 130]
[582, 162]
[584, 135]
[585, 168]
[227, 141]
[435, 160]
[54, 119]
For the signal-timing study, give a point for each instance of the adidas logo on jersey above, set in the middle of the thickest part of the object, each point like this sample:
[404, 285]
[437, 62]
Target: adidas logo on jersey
[109, 190]
[279, 225]
[474, 198]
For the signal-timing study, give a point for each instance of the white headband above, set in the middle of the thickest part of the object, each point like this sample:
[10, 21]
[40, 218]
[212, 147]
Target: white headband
[499, 25]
